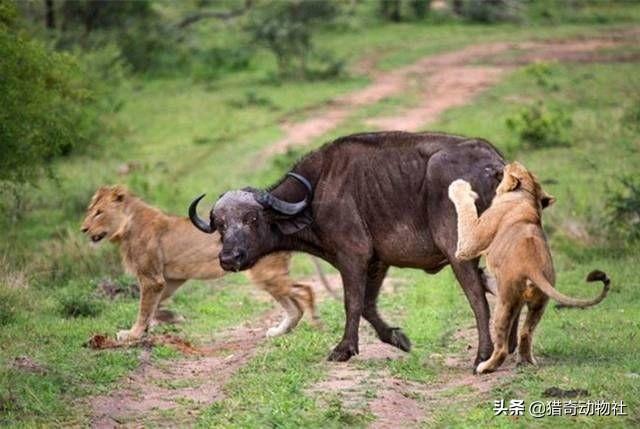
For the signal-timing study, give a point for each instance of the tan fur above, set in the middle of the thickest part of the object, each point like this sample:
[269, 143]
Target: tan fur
[509, 233]
[164, 251]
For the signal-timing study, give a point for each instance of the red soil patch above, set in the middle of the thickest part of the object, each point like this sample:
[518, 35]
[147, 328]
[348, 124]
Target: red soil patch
[185, 386]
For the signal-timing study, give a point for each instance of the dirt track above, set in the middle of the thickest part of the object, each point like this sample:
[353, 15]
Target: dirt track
[188, 385]
[446, 80]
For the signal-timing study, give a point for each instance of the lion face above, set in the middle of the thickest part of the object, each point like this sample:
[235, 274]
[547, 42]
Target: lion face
[517, 177]
[106, 215]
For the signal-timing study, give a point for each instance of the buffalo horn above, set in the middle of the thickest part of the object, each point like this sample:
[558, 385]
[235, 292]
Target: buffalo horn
[195, 219]
[285, 207]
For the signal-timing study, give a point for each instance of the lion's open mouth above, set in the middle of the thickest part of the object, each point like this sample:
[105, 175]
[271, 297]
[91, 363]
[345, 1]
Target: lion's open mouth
[98, 237]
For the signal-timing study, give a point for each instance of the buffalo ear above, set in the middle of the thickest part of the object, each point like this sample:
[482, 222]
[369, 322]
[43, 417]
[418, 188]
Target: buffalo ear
[546, 200]
[291, 224]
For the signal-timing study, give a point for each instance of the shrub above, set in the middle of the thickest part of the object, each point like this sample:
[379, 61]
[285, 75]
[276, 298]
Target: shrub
[398, 10]
[76, 300]
[48, 105]
[542, 74]
[623, 206]
[217, 61]
[285, 28]
[488, 11]
[538, 127]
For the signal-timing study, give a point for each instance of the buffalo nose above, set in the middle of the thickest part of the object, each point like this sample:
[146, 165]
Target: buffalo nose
[234, 258]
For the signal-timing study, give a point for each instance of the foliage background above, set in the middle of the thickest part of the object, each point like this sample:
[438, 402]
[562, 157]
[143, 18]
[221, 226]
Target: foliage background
[175, 98]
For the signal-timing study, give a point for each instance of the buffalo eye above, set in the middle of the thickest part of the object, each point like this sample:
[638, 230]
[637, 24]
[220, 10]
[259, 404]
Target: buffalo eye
[250, 219]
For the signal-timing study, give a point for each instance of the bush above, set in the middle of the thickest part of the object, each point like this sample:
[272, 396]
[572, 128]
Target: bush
[285, 28]
[48, 106]
[542, 74]
[76, 300]
[488, 11]
[398, 10]
[217, 61]
[623, 206]
[539, 127]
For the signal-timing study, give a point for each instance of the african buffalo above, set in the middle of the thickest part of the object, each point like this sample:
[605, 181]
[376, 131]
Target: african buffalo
[363, 203]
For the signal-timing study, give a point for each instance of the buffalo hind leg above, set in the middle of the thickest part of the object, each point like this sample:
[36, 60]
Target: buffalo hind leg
[394, 336]
[353, 279]
[469, 278]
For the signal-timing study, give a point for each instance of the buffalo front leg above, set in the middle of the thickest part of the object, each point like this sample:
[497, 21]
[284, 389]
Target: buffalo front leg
[151, 290]
[394, 336]
[354, 280]
[469, 278]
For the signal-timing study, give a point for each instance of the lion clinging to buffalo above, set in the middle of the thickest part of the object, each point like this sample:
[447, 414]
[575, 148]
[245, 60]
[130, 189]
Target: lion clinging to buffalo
[509, 233]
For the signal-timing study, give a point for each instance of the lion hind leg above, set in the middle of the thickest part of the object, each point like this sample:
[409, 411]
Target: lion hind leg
[306, 298]
[161, 314]
[526, 334]
[505, 315]
[293, 314]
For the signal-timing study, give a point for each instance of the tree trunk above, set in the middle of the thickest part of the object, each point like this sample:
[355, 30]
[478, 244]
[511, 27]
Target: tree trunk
[50, 15]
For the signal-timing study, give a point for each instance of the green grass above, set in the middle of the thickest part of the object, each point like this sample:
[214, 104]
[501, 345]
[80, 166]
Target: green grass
[189, 137]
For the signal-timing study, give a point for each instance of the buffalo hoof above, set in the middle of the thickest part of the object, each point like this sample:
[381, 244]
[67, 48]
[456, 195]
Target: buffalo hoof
[483, 354]
[400, 340]
[342, 353]
[481, 357]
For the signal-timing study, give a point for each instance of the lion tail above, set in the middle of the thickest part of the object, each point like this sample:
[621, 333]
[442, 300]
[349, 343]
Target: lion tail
[305, 294]
[566, 301]
[323, 278]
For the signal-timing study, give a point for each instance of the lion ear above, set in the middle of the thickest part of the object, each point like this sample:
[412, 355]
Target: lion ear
[511, 182]
[546, 200]
[119, 193]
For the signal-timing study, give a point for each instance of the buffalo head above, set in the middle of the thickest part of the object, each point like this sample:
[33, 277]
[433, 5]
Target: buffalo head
[249, 222]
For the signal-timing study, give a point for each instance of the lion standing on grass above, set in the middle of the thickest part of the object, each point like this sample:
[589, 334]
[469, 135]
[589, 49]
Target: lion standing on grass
[509, 233]
[164, 251]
